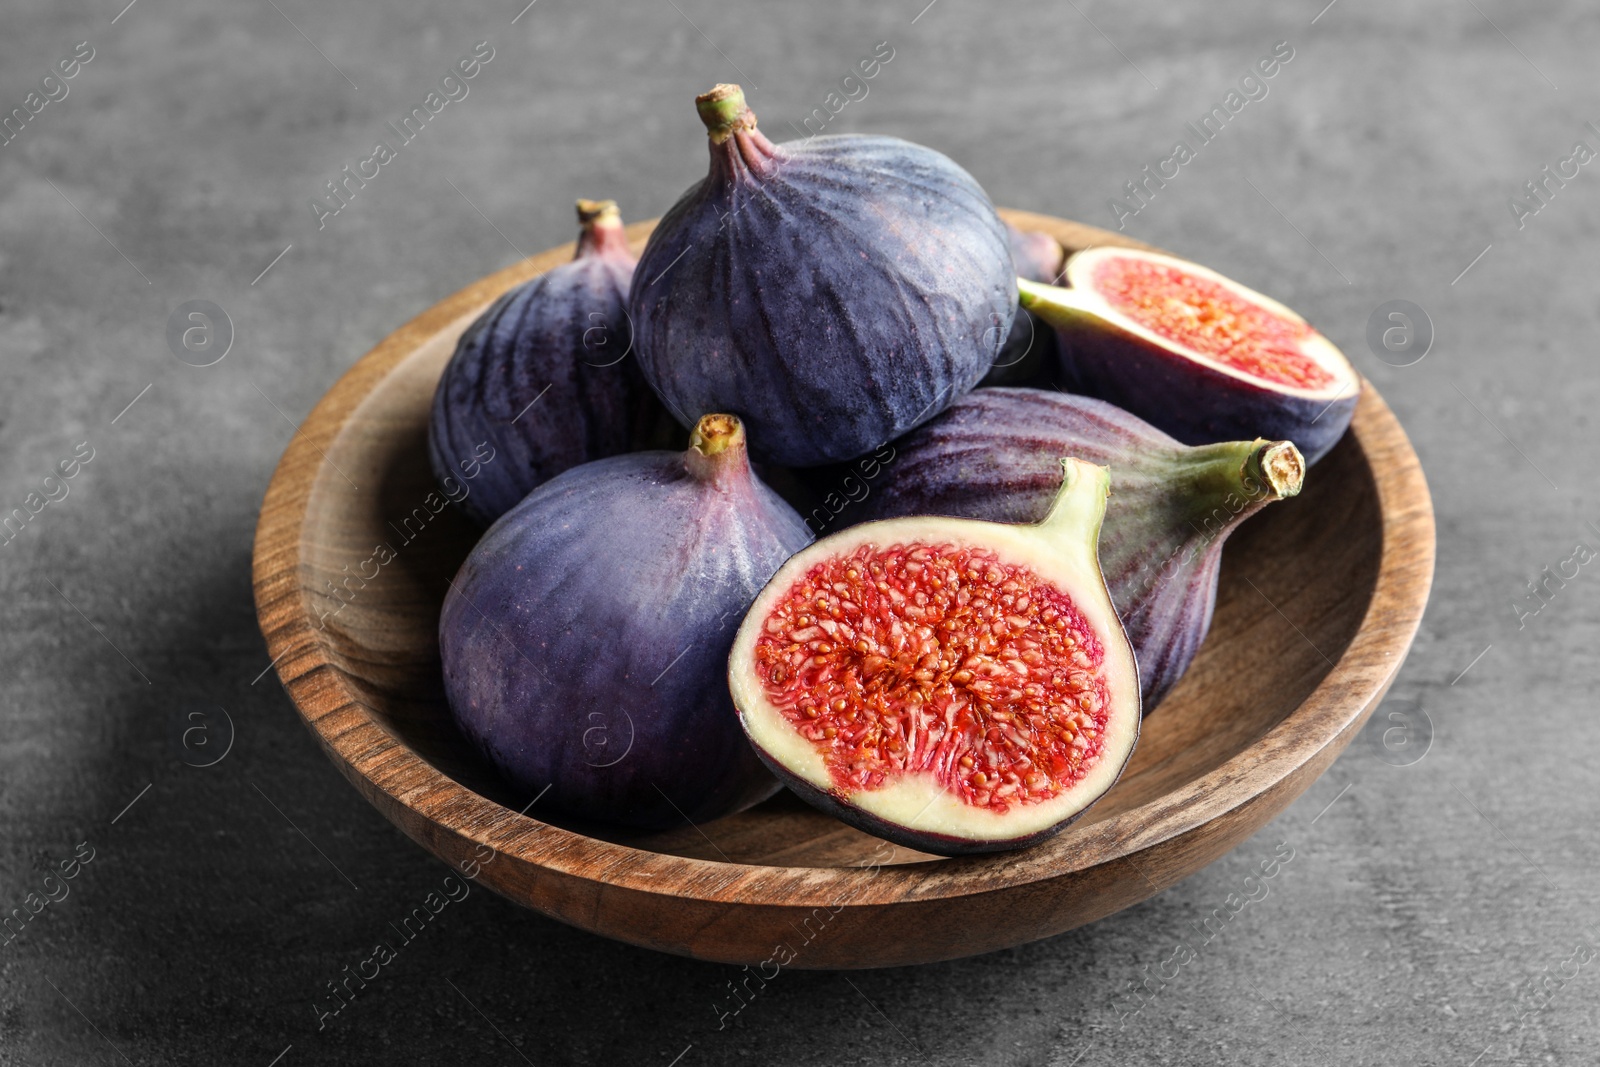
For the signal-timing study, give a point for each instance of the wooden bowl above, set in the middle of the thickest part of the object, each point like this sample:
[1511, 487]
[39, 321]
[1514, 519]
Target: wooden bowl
[1319, 601]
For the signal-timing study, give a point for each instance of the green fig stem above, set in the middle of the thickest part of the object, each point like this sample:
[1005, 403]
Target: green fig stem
[1279, 466]
[717, 449]
[1248, 472]
[1054, 304]
[600, 229]
[1080, 504]
[724, 112]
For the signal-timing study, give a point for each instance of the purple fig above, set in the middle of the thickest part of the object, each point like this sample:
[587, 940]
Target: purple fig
[585, 639]
[544, 380]
[1028, 356]
[1037, 255]
[833, 292]
[950, 685]
[1194, 353]
[993, 455]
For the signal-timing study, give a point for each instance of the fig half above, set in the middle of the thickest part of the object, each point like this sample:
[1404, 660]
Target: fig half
[994, 455]
[585, 639]
[833, 292]
[950, 685]
[1194, 353]
[545, 379]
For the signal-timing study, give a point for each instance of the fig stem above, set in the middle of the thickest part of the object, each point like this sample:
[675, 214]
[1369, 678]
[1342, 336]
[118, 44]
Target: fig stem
[1054, 304]
[1080, 504]
[1256, 472]
[724, 112]
[716, 448]
[1279, 465]
[600, 229]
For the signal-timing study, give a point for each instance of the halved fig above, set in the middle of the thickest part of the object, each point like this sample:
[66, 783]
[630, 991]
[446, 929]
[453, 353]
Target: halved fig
[1194, 353]
[950, 685]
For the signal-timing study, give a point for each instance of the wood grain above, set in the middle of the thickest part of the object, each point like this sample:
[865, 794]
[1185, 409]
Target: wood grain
[1319, 601]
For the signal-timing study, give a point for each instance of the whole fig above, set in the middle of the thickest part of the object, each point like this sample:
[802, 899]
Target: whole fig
[995, 453]
[833, 292]
[544, 380]
[585, 639]
[1037, 255]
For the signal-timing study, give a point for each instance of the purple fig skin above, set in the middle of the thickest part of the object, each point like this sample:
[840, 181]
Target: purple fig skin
[1038, 256]
[585, 639]
[559, 342]
[832, 292]
[1029, 356]
[1188, 399]
[894, 833]
[994, 455]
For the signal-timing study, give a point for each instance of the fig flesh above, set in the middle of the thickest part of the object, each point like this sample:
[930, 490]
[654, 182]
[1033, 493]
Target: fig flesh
[1194, 353]
[833, 292]
[544, 380]
[585, 639]
[950, 685]
[993, 456]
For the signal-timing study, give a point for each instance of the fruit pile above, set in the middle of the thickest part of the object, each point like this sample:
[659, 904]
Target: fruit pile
[656, 635]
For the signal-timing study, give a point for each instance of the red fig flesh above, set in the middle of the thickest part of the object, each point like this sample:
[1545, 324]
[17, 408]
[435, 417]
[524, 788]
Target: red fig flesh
[950, 685]
[1194, 353]
[993, 456]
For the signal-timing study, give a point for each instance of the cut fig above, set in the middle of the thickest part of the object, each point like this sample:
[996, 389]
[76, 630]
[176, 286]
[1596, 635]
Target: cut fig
[1195, 354]
[833, 292]
[950, 685]
[585, 639]
[994, 455]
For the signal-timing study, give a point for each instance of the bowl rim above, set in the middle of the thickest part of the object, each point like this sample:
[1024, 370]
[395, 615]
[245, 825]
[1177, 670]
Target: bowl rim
[395, 777]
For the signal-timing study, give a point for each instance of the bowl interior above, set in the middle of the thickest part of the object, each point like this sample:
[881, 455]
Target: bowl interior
[1296, 582]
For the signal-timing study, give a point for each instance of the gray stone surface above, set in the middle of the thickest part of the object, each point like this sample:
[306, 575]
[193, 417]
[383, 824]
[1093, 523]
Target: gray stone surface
[1425, 905]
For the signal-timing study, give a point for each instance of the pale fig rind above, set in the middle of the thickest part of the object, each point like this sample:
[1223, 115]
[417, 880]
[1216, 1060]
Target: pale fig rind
[832, 292]
[1108, 355]
[914, 810]
[993, 456]
[585, 639]
[544, 379]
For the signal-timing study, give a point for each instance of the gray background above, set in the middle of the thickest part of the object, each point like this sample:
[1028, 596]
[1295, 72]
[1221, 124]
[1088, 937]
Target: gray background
[1424, 904]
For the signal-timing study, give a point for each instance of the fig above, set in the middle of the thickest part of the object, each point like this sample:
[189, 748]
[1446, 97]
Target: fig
[1194, 353]
[1037, 255]
[950, 685]
[1028, 356]
[544, 379]
[585, 639]
[993, 455]
[833, 292]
